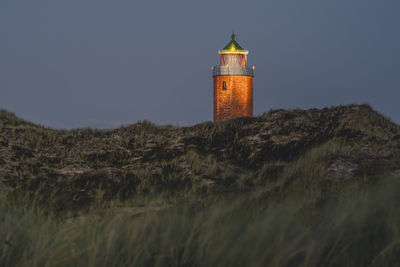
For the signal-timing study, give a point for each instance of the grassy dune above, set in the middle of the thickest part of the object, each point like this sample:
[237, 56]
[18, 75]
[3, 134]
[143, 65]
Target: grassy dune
[287, 188]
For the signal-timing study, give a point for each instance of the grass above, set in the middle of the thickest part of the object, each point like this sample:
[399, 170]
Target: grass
[360, 229]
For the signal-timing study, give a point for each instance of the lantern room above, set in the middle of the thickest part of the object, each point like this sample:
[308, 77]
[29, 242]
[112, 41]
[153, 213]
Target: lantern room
[233, 54]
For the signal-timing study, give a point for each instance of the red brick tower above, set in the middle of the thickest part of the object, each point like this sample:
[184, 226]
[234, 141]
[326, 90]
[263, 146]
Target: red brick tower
[233, 83]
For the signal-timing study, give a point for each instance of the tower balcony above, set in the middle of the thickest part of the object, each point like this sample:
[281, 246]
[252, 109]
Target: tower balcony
[233, 70]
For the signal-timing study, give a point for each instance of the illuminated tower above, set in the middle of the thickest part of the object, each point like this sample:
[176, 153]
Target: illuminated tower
[233, 83]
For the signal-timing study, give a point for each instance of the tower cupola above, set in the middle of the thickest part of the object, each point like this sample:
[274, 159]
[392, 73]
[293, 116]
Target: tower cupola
[233, 46]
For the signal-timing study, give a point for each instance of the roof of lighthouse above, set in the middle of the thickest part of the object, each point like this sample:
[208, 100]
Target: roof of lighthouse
[233, 47]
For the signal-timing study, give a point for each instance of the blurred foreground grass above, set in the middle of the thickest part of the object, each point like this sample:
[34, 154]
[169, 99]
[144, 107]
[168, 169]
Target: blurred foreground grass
[358, 227]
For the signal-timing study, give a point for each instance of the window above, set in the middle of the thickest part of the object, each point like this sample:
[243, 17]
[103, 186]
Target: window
[224, 86]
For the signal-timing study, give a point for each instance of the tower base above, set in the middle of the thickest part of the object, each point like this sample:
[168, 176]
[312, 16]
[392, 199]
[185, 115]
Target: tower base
[233, 96]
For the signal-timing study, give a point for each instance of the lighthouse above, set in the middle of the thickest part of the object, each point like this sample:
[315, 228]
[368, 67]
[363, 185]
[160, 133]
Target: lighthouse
[233, 83]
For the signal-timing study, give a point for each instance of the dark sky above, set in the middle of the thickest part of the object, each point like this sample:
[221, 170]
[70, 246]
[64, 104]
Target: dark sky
[78, 63]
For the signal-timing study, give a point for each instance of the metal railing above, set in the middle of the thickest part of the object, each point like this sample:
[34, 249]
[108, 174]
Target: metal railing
[233, 70]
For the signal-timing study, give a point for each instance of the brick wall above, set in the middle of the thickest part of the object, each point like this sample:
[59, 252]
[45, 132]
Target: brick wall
[236, 99]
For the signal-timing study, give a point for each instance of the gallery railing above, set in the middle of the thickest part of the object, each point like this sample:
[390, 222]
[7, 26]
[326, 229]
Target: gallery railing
[233, 70]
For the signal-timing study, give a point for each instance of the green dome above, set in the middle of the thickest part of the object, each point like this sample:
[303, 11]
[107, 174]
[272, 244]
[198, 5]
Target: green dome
[233, 45]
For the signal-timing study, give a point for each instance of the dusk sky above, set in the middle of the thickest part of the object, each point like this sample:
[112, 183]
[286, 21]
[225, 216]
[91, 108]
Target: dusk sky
[77, 63]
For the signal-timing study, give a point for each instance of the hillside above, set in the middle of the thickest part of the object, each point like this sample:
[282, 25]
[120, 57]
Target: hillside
[280, 149]
[315, 187]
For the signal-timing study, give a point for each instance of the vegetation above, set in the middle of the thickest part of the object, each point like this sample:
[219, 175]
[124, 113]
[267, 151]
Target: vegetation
[287, 188]
[353, 230]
